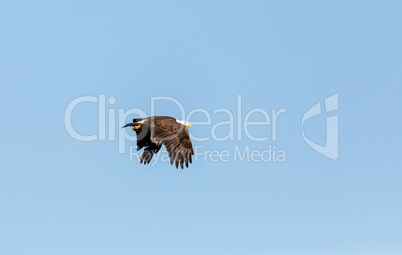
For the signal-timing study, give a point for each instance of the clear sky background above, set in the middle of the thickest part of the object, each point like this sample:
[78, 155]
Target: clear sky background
[62, 196]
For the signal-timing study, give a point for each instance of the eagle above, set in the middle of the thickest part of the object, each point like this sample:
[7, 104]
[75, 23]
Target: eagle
[154, 131]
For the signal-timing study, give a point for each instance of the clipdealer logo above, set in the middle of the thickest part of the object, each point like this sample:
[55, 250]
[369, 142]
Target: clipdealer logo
[237, 123]
[331, 147]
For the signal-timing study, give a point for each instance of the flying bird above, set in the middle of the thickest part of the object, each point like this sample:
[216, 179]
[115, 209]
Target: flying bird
[154, 131]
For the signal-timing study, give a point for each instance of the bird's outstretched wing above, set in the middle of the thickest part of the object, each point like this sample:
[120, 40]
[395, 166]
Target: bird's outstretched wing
[176, 139]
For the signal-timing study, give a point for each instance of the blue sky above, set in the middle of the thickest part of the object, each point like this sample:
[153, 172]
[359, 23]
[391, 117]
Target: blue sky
[63, 196]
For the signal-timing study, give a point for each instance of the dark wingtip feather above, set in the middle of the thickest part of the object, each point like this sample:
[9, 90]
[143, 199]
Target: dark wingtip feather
[128, 125]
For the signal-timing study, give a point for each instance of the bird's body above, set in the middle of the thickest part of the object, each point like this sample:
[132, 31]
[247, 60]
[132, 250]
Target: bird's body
[155, 131]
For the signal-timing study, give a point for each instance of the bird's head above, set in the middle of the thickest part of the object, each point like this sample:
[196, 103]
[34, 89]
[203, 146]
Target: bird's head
[185, 123]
